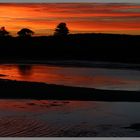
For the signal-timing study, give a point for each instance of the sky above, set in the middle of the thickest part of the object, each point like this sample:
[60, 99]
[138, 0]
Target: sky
[122, 18]
[112, 1]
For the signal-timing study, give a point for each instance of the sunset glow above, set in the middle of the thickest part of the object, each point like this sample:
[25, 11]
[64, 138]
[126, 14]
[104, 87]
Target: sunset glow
[87, 17]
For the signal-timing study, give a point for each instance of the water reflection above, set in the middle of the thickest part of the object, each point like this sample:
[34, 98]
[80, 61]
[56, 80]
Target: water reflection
[101, 78]
[25, 70]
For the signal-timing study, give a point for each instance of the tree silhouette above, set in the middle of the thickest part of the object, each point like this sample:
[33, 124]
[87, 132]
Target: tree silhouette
[3, 32]
[25, 32]
[61, 29]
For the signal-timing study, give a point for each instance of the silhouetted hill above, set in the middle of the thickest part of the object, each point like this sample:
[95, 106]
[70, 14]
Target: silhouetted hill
[94, 47]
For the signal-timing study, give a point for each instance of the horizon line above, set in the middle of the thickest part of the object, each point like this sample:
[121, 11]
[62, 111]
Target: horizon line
[81, 33]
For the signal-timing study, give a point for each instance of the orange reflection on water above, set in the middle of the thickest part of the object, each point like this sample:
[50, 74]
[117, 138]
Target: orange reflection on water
[80, 77]
[43, 105]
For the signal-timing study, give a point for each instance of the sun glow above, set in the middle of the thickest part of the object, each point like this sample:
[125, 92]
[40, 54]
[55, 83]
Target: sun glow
[89, 17]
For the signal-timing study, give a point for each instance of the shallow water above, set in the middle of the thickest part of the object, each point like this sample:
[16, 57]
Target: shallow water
[101, 78]
[68, 118]
[51, 118]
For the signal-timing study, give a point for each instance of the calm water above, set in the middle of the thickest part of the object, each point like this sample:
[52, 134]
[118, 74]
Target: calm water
[101, 78]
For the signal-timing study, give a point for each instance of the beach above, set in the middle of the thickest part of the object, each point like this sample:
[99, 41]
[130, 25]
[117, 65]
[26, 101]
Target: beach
[69, 69]
[30, 90]
[53, 118]
[32, 107]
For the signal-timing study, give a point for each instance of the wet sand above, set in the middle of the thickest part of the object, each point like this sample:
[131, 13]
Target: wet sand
[66, 115]
[34, 109]
[33, 90]
[51, 118]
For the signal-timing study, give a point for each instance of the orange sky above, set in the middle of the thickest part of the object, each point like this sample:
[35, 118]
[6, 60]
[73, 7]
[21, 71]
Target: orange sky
[87, 17]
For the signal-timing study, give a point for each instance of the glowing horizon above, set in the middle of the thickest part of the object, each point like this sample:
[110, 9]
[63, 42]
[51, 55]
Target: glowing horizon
[69, 1]
[42, 18]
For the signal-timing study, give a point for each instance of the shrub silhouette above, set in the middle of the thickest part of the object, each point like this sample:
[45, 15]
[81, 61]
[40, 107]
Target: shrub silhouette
[61, 29]
[3, 32]
[25, 32]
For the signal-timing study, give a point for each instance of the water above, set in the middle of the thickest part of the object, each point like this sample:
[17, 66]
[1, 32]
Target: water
[101, 78]
[22, 118]
[53, 118]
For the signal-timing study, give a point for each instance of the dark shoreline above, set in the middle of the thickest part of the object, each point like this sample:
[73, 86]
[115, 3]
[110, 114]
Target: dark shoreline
[33, 90]
[74, 63]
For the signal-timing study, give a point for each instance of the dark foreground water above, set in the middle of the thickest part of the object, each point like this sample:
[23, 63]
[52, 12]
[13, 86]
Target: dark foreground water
[23, 118]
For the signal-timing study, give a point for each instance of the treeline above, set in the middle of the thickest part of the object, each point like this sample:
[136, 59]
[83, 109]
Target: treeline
[60, 30]
[93, 47]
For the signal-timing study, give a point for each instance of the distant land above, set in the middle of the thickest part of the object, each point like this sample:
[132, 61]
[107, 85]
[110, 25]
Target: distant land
[91, 47]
